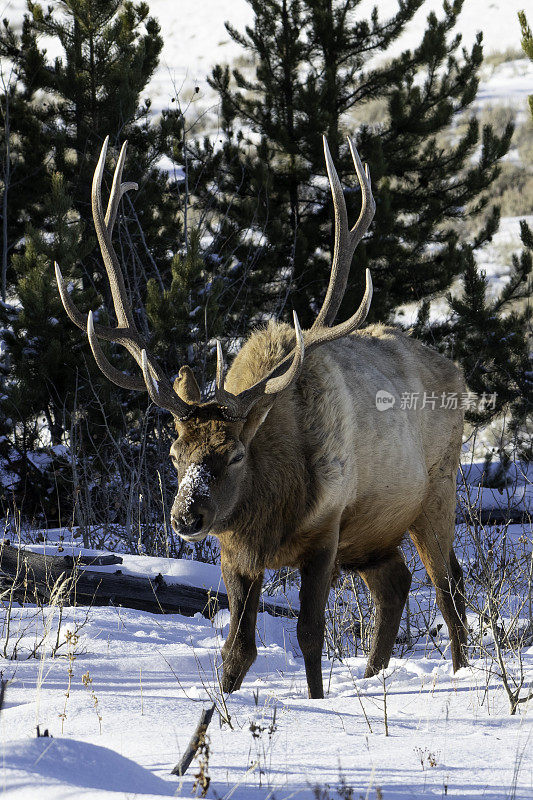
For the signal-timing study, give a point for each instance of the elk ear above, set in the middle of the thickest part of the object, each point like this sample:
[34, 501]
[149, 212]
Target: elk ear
[255, 419]
[186, 387]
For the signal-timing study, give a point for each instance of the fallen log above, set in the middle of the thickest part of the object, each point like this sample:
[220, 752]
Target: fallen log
[99, 561]
[493, 516]
[29, 576]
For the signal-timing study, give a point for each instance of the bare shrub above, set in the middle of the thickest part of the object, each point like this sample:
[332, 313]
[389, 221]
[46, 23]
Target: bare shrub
[31, 621]
[498, 589]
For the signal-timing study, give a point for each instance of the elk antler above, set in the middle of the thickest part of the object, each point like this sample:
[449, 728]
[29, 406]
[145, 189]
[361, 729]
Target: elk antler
[345, 243]
[126, 333]
[235, 407]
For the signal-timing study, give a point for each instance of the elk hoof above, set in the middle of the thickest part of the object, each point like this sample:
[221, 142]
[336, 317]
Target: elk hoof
[236, 661]
[231, 682]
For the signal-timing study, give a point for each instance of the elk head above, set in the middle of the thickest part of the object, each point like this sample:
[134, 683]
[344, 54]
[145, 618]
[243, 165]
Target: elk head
[211, 452]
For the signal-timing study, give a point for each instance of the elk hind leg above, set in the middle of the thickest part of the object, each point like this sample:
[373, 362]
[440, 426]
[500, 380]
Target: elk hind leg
[389, 582]
[432, 533]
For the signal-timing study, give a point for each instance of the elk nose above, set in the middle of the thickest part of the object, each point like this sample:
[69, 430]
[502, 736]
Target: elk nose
[188, 524]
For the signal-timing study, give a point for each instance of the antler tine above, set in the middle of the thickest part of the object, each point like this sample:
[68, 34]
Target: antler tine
[118, 189]
[151, 384]
[368, 204]
[345, 328]
[75, 314]
[162, 394]
[276, 381]
[345, 240]
[219, 382]
[114, 375]
[114, 273]
[225, 399]
[77, 317]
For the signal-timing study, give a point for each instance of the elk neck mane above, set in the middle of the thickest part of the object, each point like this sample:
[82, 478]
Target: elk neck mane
[280, 486]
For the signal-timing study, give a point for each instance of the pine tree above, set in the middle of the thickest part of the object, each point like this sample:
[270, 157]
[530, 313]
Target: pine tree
[44, 367]
[60, 111]
[110, 50]
[314, 73]
[490, 335]
[23, 179]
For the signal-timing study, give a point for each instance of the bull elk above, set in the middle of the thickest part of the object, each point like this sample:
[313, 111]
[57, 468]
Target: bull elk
[295, 463]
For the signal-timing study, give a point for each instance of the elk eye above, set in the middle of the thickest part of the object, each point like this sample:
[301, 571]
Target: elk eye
[236, 458]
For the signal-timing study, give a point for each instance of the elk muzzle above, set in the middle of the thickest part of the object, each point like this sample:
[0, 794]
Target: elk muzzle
[192, 511]
[191, 526]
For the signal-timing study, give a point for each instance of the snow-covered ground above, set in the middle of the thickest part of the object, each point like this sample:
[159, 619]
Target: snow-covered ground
[196, 39]
[151, 676]
[123, 693]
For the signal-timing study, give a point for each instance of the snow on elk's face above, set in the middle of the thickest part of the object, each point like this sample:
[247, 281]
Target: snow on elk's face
[209, 458]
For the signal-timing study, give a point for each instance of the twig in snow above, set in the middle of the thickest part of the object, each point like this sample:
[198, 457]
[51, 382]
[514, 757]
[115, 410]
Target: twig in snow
[3, 685]
[199, 735]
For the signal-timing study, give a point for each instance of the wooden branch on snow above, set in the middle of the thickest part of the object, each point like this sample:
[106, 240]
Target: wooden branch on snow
[27, 576]
[493, 516]
[196, 740]
[3, 684]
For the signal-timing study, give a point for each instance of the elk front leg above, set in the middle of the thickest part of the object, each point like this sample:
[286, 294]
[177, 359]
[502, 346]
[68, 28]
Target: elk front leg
[239, 650]
[316, 577]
